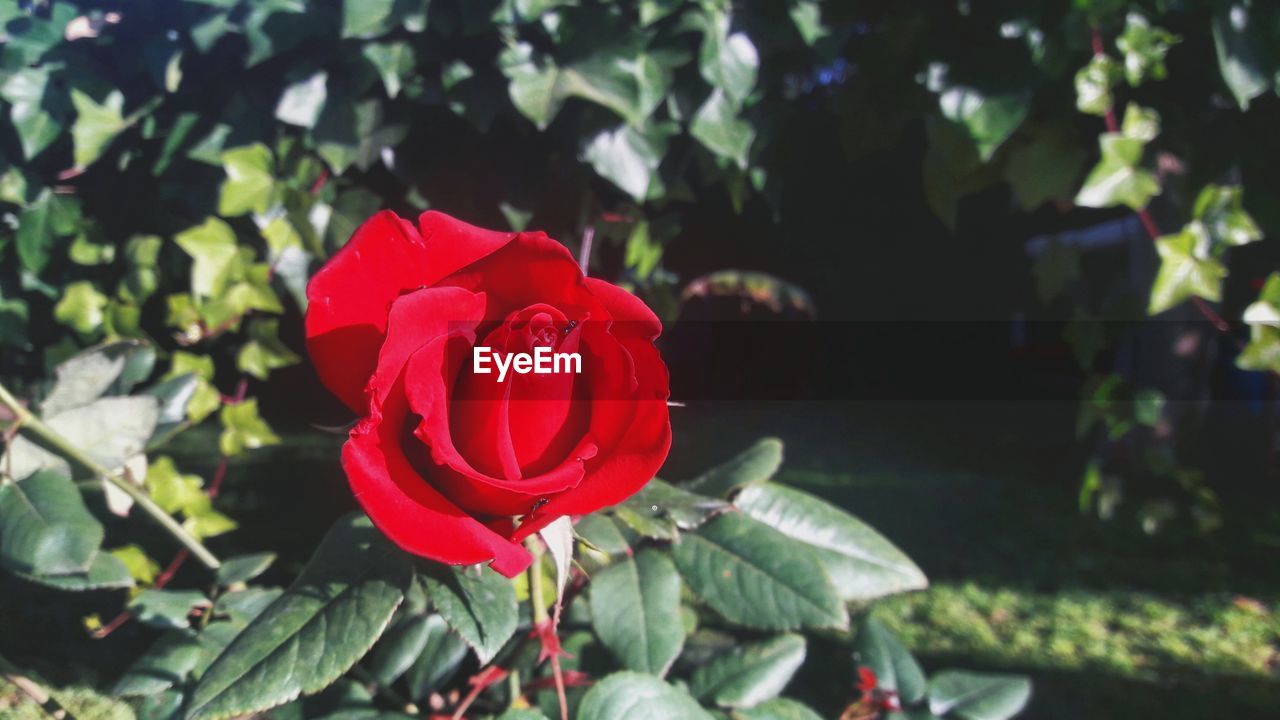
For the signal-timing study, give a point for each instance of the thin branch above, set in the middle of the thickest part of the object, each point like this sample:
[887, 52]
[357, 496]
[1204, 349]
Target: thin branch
[54, 441]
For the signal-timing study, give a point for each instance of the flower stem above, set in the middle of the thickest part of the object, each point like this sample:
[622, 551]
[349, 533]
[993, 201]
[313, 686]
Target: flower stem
[28, 422]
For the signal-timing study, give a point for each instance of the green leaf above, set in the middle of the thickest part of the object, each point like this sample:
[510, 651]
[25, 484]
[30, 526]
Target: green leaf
[521, 714]
[633, 696]
[533, 83]
[167, 663]
[978, 696]
[728, 61]
[110, 430]
[81, 307]
[301, 102]
[1221, 209]
[166, 609]
[313, 633]
[1242, 51]
[244, 429]
[1047, 168]
[95, 125]
[643, 251]
[1263, 351]
[778, 709]
[718, 128]
[1186, 270]
[478, 603]
[861, 562]
[602, 533]
[1117, 179]
[807, 16]
[264, 351]
[1144, 47]
[895, 668]
[212, 247]
[754, 575]
[1055, 269]
[635, 610]
[748, 675]
[1093, 85]
[354, 133]
[106, 572]
[141, 568]
[441, 655]
[627, 158]
[250, 178]
[36, 126]
[366, 18]
[243, 568]
[395, 62]
[398, 648]
[45, 528]
[989, 117]
[36, 235]
[86, 376]
[1140, 123]
[659, 509]
[752, 466]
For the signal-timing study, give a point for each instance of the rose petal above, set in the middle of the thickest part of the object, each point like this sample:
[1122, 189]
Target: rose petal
[453, 244]
[628, 311]
[348, 301]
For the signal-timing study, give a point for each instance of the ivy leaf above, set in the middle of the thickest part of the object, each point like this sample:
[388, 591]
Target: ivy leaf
[1093, 85]
[1186, 270]
[1241, 51]
[81, 307]
[366, 18]
[141, 568]
[635, 610]
[989, 117]
[752, 466]
[627, 158]
[249, 182]
[1055, 269]
[718, 128]
[96, 125]
[756, 576]
[264, 351]
[302, 101]
[978, 696]
[45, 528]
[88, 375]
[1117, 179]
[1221, 209]
[244, 429]
[748, 675]
[1144, 47]
[313, 633]
[37, 126]
[110, 430]
[633, 696]
[861, 562]
[1046, 168]
[36, 234]
[533, 83]
[478, 603]
[212, 247]
[895, 668]
[807, 17]
[1263, 316]
[1140, 123]
[728, 61]
[395, 61]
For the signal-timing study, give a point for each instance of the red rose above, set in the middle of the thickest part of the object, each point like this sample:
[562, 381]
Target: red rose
[444, 458]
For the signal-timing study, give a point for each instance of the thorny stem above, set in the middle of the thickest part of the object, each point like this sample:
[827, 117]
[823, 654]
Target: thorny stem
[27, 421]
[540, 616]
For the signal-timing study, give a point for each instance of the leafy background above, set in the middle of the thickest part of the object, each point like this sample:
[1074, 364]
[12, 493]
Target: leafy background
[173, 170]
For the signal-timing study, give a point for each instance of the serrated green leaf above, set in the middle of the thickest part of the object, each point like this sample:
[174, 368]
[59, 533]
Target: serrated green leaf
[752, 466]
[754, 575]
[602, 533]
[1186, 270]
[750, 674]
[106, 572]
[167, 663]
[250, 178]
[635, 610]
[45, 528]
[243, 568]
[978, 696]
[478, 603]
[398, 648]
[96, 125]
[633, 696]
[1117, 179]
[244, 429]
[778, 709]
[659, 509]
[862, 563]
[721, 131]
[167, 609]
[895, 668]
[441, 655]
[313, 633]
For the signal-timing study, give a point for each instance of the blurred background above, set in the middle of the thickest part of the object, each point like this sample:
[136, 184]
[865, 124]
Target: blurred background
[996, 273]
